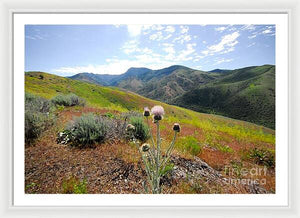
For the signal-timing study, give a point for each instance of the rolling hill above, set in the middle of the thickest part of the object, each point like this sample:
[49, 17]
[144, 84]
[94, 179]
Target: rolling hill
[218, 141]
[164, 84]
[247, 93]
[48, 85]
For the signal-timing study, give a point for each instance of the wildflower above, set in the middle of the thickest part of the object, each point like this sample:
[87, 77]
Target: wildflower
[158, 112]
[146, 112]
[176, 127]
[145, 147]
[130, 127]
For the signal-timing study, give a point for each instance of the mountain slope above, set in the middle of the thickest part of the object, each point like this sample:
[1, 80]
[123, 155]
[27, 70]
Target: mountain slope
[246, 94]
[219, 141]
[175, 84]
[99, 79]
[163, 84]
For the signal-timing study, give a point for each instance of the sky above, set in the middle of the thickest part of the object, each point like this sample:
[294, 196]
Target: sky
[66, 50]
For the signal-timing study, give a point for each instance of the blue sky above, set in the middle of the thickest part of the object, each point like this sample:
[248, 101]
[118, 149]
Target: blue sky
[111, 49]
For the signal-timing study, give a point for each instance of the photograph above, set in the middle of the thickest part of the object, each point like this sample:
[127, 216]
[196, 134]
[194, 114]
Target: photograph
[149, 108]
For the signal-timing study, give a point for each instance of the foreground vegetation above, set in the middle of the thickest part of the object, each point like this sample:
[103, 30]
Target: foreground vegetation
[219, 141]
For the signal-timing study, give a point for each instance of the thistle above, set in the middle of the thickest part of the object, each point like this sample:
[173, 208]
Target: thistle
[146, 112]
[155, 163]
[130, 128]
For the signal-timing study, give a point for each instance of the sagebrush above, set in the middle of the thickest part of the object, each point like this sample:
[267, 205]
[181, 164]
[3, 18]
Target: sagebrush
[87, 130]
[68, 100]
[38, 116]
[141, 131]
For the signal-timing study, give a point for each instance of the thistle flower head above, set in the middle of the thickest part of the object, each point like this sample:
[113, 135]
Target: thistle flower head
[130, 127]
[176, 127]
[145, 147]
[146, 112]
[157, 112]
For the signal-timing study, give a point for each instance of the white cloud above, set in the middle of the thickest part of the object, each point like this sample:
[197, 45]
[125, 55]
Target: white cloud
[199, 67]
[109, 68]
[266, 31]
[226, 45]
[185, 55]
[249, 27]
[168, 36]
[116, 67]
[182, 38]
[134, 30]
[37, 36]
[251, 44]
[252, 36]
[30, 37]
[158, 36]
[147, 51]
[170, 29]
[184, 29]
[169, 50]
[157, 27]
[130, 47]
[222, 60]
[198, 58]
[220, 29]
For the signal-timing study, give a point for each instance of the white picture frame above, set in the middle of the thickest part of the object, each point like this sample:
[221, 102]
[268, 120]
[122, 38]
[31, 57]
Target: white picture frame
[6, 183]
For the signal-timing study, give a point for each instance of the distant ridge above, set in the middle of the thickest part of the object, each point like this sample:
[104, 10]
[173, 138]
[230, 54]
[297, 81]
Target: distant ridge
[219, 71]
[246, 93]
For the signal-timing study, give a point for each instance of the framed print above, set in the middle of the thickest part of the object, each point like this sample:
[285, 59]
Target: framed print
[84, 130]
[150, 109]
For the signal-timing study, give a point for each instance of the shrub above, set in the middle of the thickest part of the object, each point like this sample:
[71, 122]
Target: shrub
[72, 185]
[37, 104]
[87, 130]
[223, 148]
[38, 116]
[68, 100]
[109, 115]
[141, 131]
[262, 157]
[128, 115]
[34, 125]
[189, 144]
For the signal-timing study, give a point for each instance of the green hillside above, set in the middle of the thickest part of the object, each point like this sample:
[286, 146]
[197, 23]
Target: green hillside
[48, 85]
[245, 94]
[218, 141]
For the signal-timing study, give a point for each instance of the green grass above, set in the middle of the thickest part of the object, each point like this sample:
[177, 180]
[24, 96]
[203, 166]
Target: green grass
[245, 94]
[188, 144]
[121, 101]
[73, 185]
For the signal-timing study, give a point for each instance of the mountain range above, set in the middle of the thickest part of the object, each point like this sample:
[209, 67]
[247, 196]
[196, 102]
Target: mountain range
[246, 94]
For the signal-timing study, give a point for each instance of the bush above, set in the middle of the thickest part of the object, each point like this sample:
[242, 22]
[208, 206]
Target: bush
[38, 116]
[141, 131]
[262, 157]
[37, 104]
[68, 100]
[73, 185]
[109, 115]
[87, 130]
[189, 144]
